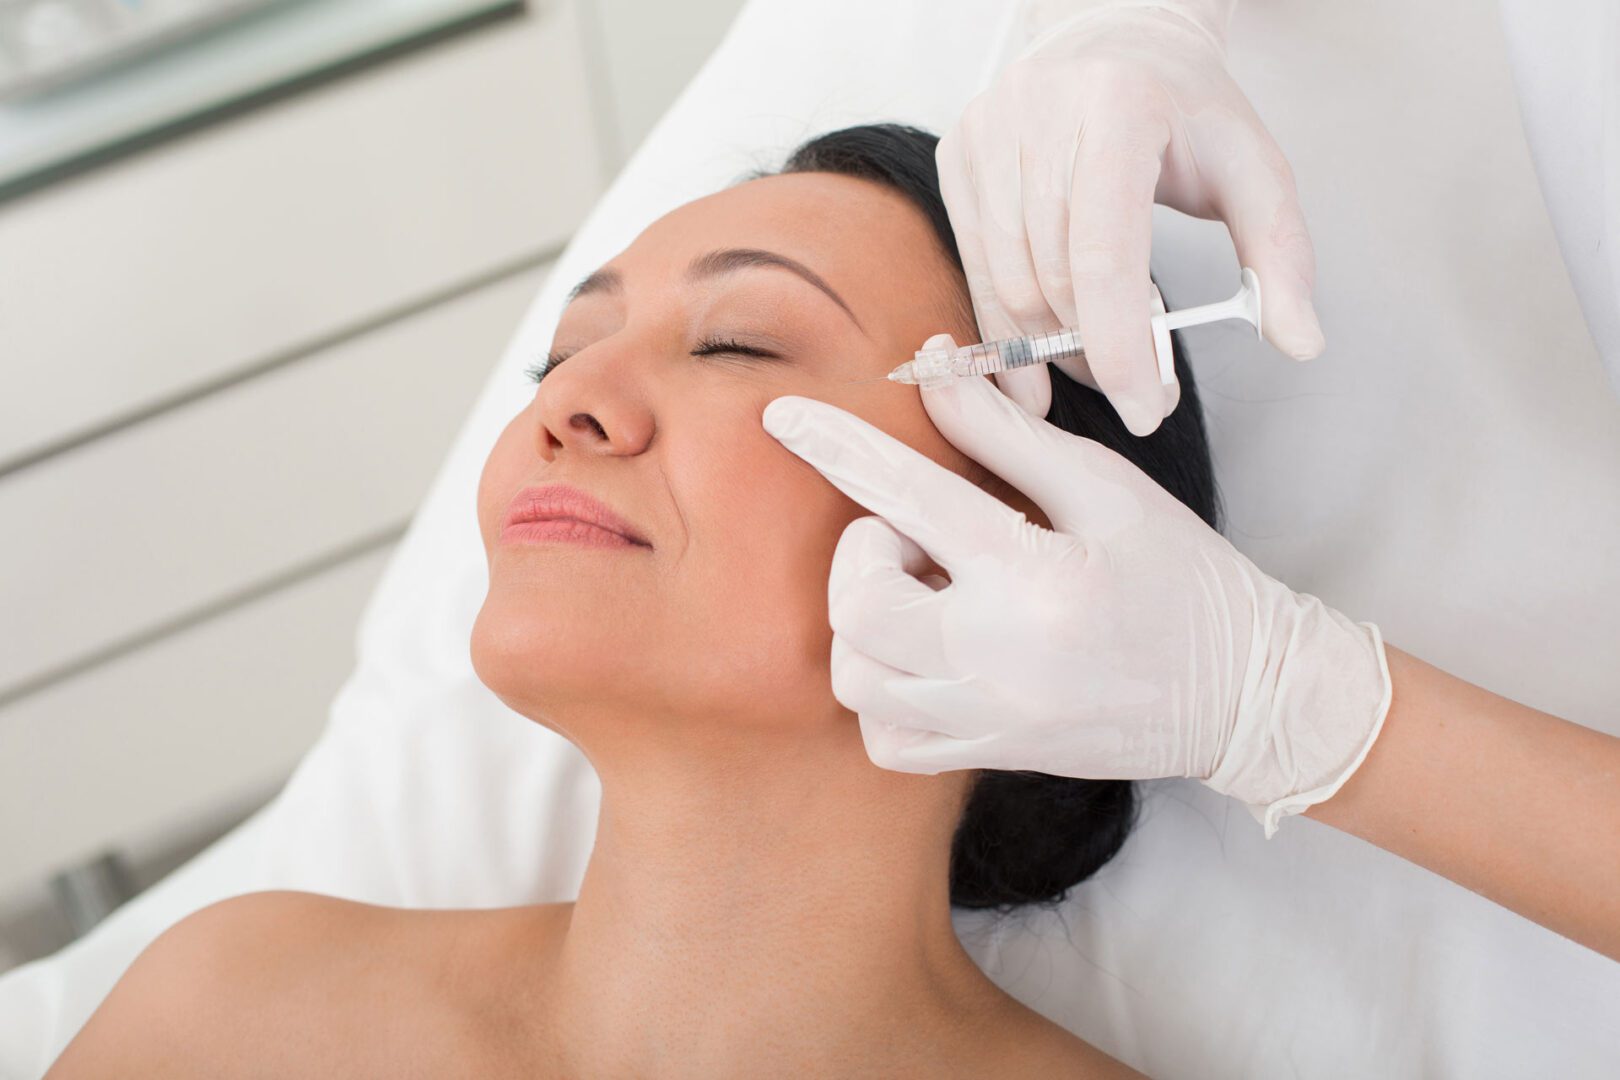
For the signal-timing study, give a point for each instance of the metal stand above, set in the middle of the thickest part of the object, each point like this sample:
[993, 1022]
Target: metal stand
[91, 891]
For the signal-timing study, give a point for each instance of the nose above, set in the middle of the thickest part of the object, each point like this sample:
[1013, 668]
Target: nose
[593, 405]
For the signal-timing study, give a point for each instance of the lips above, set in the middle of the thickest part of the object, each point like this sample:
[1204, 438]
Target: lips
[563, 513]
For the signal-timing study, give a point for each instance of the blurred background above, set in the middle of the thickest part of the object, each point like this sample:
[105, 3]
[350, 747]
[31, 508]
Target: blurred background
[257, 257]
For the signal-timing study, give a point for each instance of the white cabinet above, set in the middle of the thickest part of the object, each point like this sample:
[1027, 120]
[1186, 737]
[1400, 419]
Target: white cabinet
[232, 364]
[254, 242]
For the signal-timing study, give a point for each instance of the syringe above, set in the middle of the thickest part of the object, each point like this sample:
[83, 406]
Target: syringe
[930, 367]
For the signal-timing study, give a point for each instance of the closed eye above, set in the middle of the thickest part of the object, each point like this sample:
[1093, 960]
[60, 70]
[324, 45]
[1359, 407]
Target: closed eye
[706, 347]
[732, 347]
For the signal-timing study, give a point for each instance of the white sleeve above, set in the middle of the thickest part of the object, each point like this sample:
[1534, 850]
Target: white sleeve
[1568, 78]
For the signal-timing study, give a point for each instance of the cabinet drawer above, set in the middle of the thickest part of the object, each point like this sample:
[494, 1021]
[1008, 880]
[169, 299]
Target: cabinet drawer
[141, 283]
[116, 541]
[166, 735]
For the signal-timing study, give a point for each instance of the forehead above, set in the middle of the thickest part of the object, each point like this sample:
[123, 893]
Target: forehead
[868, 241]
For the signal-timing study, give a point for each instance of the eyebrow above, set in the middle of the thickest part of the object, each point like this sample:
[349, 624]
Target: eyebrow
[730, 260]
[598, 281]
[716, 263]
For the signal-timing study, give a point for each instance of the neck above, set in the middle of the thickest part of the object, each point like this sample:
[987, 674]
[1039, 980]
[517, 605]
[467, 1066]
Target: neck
[788, 901]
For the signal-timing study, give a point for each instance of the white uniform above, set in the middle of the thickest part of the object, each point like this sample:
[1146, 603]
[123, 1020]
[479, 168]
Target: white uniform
[1568, 77]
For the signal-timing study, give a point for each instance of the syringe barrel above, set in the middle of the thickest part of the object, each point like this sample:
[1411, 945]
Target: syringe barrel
[992, 356]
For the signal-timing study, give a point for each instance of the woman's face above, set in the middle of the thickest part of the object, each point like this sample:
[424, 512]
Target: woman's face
[719, 616]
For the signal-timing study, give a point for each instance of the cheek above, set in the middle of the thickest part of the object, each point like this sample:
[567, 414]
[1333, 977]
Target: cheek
[763, 529]
[508, 464]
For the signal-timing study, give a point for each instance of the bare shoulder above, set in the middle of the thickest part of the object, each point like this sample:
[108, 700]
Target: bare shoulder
[292, 983]
[186, 991]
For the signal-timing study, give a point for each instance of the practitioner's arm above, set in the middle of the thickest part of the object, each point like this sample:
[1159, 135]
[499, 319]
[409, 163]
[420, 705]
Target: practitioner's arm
[1519, 806]
[1131, 641]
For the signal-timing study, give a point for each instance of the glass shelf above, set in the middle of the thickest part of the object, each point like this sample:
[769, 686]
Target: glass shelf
[260, 55]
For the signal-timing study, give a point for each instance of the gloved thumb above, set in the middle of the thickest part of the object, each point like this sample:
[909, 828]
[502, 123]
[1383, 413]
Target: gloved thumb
[1268, 229]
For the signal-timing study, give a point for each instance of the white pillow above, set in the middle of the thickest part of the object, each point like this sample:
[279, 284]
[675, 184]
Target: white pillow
[1450, 469]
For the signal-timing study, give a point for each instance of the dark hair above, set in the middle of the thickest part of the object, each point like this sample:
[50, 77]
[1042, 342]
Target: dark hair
[1026, 837]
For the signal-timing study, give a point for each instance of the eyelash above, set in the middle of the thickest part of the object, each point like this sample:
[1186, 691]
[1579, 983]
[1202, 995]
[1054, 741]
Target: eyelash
[539, 371]
[706, 347]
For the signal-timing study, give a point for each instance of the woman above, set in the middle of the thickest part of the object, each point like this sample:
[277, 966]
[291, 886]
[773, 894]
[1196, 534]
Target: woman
[761, 898]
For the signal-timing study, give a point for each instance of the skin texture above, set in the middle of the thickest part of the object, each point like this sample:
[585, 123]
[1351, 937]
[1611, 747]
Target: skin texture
[761, 899]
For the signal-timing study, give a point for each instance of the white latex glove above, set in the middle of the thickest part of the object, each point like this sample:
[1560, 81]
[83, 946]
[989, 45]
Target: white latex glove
[1051, 174]
[1128, 641]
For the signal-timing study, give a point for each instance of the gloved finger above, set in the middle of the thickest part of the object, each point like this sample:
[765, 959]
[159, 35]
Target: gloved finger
[1044, 198]
[1071, 479]
[1110, 235]
[1171, 389]
[878, 606]
[965, 707]
[887, 744]
[1007, 247]
[1268, 229]
[1083, 754]
[926, 753]
[1046, 182]
[1172, 395]
[870, 689]
[962, 205]
[945, 513]
[1030, 386]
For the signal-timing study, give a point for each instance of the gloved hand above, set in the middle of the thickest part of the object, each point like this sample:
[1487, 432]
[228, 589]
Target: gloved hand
[1051, 174]
[1128, 641]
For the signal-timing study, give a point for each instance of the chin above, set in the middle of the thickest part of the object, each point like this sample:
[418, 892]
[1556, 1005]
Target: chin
[537, 660]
